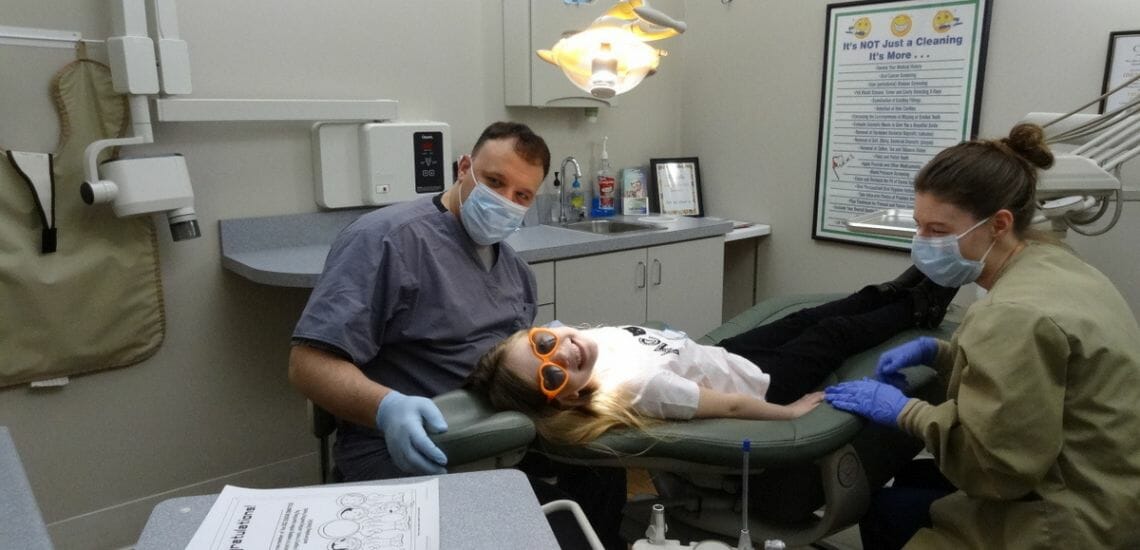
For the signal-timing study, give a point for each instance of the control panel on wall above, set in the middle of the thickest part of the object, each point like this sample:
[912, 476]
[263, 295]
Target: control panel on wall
[379, 163]
[429, 161]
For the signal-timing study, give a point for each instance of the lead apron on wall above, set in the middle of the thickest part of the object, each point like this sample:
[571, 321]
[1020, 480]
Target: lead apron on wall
[96, 301]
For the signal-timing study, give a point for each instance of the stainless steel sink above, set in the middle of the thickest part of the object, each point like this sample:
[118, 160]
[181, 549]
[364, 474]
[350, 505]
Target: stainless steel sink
[609, 227]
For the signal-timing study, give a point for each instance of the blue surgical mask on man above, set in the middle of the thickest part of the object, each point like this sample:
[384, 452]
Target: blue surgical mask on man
[488, 216]
[940, 259]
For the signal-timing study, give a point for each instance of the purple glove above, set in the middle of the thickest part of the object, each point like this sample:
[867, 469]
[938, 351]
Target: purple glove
[875, 400]
[920, 351]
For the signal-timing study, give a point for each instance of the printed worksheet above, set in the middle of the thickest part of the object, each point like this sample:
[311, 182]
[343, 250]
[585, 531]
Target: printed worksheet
[341, 517]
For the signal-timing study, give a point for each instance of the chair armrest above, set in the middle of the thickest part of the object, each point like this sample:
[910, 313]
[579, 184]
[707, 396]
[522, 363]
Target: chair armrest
[475, 430]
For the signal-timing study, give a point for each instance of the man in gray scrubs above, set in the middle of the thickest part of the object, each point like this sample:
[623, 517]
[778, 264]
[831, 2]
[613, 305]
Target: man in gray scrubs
[411, 296]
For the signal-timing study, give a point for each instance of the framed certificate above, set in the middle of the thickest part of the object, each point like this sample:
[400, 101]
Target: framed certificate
[675, 186]
[1121, 65]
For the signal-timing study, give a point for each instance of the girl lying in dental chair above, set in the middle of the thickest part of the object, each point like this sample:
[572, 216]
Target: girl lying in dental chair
[579, 383]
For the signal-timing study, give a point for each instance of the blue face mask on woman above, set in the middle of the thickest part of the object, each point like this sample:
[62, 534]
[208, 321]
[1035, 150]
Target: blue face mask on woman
[488, 216]
[940, 259]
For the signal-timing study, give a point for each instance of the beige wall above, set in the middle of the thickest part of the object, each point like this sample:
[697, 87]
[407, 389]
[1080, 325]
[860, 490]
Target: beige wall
[753, 119]
[213, 406]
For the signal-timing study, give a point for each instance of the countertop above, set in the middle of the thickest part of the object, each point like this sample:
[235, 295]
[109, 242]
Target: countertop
[465, 519]
[290, 250]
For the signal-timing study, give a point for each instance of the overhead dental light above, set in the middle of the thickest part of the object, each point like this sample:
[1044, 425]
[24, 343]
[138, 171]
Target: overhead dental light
[611, 56]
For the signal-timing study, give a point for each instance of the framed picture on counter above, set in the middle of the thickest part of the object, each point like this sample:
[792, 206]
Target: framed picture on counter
[1121, 65]
[675, 186]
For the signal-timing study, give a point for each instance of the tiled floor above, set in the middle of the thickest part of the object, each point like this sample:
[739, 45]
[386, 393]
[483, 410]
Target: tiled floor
[847, 539]
[637, 482]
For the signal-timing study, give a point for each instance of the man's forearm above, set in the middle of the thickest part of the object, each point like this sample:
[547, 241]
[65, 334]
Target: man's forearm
[334, 384]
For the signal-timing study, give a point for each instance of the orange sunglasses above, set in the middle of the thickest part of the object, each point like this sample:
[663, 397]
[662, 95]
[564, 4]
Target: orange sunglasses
[552, 377]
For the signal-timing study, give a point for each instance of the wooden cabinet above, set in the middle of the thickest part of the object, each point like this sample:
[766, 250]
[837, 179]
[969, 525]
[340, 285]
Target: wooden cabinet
[679, 283]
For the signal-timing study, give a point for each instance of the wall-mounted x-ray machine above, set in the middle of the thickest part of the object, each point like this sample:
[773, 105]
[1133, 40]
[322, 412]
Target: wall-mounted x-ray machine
[362, 157]
[140, 69]
[141, 66]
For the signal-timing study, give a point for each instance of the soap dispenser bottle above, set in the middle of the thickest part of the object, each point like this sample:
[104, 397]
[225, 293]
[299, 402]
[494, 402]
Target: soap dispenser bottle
[577, 200]
[605, 203]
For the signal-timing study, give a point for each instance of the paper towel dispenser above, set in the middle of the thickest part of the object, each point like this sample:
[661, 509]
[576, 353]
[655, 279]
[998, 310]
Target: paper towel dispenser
[379, 163]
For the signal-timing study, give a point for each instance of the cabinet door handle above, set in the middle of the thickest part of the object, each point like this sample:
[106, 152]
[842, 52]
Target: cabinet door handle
[657, 268]
[639, 275]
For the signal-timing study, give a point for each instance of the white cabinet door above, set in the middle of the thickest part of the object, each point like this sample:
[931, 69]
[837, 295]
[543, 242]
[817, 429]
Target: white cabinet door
[686, 285]
[530, 25]
[602, 289]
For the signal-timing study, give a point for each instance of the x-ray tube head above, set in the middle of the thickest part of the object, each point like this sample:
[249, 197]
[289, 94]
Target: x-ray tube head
[147, 185]
[183, 224]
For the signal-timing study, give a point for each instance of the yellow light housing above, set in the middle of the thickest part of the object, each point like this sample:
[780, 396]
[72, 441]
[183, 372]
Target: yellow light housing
[603, 62]
[611, 56]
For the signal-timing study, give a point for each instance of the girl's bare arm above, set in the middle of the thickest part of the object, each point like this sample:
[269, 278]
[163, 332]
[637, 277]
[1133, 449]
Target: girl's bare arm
[715, 404]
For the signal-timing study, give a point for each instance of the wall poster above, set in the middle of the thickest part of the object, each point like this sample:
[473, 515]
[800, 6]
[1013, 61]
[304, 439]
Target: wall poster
[902, 80]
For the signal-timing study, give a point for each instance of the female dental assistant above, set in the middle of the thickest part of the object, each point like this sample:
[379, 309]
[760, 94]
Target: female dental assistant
[1040, 430]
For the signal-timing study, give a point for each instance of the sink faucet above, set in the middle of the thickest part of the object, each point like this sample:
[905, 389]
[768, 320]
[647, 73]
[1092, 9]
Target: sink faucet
[566, 183]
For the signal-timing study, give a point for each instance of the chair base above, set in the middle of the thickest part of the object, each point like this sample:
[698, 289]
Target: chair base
[694, 513]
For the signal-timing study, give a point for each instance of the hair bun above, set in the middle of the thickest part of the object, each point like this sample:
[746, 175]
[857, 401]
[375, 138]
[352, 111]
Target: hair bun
[1028, 141]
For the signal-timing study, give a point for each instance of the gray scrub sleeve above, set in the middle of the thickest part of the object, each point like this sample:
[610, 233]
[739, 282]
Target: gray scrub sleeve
[364, 283]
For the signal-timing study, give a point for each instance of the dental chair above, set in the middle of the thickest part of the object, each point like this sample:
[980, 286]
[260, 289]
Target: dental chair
[815, 473]
[478, 437]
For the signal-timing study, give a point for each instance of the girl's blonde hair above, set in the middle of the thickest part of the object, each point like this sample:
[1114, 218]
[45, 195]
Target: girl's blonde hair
[579, 423]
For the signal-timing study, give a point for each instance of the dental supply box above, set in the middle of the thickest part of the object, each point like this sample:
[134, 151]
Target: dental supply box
[379, 163]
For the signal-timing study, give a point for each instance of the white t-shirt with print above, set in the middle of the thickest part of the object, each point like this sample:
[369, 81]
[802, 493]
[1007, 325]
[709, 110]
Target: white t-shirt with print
[664, 370]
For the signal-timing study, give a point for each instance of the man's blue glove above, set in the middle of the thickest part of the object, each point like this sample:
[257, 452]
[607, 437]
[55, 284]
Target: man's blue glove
[402, 418]
[920, 351]
[875, 400]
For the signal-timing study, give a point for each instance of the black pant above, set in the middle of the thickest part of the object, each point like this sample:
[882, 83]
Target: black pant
[897, 512]
[800, 350]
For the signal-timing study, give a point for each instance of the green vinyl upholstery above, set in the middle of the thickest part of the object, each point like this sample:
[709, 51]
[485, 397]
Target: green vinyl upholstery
[810, 477]
[711, 444]
[477, 431]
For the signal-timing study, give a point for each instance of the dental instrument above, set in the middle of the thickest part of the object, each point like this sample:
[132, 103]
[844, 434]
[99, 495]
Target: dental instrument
[655, 533]
[1078, 189]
